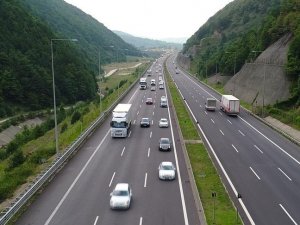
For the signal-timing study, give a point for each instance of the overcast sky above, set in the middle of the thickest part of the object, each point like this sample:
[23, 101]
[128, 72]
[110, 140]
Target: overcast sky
[156, 19]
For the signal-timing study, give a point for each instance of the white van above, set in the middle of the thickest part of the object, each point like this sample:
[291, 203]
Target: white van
[163, 102]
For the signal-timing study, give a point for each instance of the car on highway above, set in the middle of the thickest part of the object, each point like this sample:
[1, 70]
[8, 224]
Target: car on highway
[163, 102]
[149, 101]
[152, 82]
[121, 196]
[166, 171]
[161, 86]
[160, 78]
[163, 122]
[164, 144]
[145, 122]
[153, 88]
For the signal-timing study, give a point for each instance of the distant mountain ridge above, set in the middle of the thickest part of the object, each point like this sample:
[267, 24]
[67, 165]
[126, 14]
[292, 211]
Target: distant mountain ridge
[146, 43]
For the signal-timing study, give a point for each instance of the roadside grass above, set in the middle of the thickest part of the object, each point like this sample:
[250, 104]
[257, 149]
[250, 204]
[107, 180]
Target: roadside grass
[40, 152]
[205, 174]
[189, 131]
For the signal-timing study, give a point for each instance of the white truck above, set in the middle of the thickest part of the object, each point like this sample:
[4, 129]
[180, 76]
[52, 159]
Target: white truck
[210, 104]
[143, 83]
[121, 120]
[230, 105]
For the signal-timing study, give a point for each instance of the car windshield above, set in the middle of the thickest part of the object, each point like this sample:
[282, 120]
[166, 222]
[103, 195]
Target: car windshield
[120, 193]
[167, 167]
[145, 120]
[164, 141]
[163, 120]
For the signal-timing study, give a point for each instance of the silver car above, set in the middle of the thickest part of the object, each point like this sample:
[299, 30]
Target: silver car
[163, 122]
[166, 171]
[120, 198]
[164, 144]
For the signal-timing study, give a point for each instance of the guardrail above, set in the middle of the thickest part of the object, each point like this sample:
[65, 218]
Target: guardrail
[49, 172]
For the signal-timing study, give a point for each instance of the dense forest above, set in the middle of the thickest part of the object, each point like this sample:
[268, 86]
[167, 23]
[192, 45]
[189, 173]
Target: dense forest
[242, 27]
[25, 64]
[27, 27]
[69, 21]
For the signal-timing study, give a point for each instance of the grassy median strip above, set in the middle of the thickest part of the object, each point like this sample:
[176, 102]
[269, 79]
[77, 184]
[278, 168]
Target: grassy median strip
[218, 210]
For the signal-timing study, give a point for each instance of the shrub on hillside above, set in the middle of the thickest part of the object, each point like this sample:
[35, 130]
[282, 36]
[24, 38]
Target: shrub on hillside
[76, 116]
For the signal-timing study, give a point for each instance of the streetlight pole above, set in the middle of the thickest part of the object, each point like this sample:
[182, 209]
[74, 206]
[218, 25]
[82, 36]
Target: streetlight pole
[264, 82]
[234, 68]
[100, 82]
[53, 84]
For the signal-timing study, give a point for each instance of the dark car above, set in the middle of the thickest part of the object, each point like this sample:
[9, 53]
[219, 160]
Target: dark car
[149, 101]
[164, 144]
[145, 122]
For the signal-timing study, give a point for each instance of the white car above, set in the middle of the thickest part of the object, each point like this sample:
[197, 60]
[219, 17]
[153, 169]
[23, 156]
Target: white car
[166, 171]
[163, 122]
[120, 198]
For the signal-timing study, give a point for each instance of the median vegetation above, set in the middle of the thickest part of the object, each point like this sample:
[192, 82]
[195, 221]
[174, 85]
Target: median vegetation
[218, 210]
[34, 149]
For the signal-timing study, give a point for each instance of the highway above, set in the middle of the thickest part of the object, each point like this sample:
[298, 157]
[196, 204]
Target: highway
[253, 160]
[79, 193]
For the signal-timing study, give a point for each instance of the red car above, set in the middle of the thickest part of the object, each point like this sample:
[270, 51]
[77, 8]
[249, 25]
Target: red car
[149, 101]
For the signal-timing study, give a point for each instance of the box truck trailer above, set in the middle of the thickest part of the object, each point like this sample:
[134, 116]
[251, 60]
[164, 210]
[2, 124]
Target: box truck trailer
[230, 105]
[121, 120]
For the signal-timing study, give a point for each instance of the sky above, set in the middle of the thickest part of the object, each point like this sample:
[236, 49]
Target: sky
[155, 19]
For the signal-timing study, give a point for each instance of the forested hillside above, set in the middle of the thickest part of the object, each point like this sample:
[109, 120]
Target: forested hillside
[232, 36]
[146, 43]
[70, 22]
[25, 64]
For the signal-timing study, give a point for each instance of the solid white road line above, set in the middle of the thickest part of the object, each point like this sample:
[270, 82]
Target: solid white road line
[123, 151]
[151, 134]
[112, 178]
[75, 181]
[141, 221]
[254, 173]
[145, 182]
[241, 133]
[186, 220]
[229, 121]
[96, 220]
[281, 149]
[149, 152]
[284, 174]
[286, 212]
[258, 149]
[221, 132]
[234, 148]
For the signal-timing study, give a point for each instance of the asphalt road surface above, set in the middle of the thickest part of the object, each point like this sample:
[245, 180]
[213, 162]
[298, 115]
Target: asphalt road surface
[254, 160]
[80, 192]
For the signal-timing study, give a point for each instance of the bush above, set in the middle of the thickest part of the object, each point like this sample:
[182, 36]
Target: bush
[17, 159]
[76, 116]
[12, 147]
[64, 127]
[42, 154]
